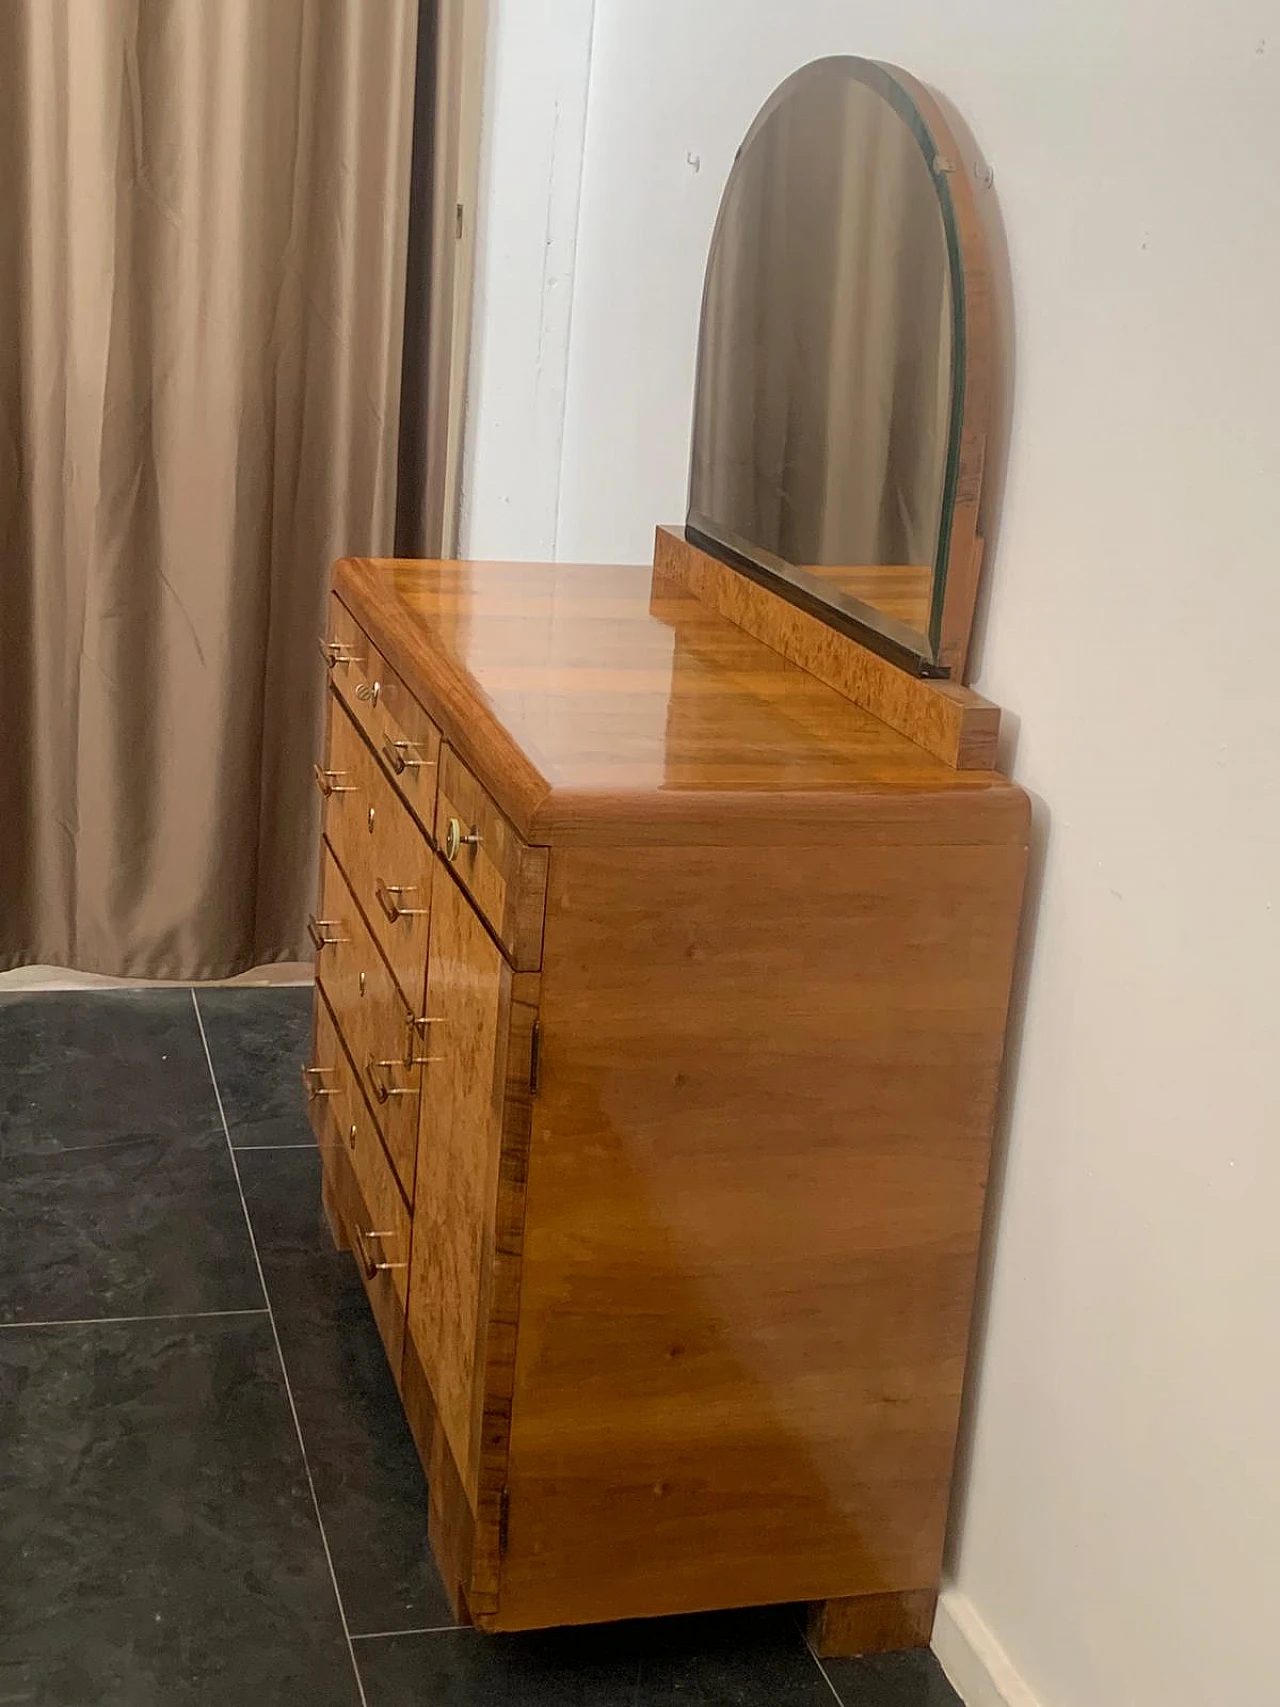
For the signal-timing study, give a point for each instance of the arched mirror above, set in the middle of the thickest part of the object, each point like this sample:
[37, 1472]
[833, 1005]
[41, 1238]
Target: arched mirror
[840, 411]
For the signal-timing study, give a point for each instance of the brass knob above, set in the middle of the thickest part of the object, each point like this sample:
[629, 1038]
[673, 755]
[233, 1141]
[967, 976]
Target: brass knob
[370, 820]
[454, 839]
[369, 692]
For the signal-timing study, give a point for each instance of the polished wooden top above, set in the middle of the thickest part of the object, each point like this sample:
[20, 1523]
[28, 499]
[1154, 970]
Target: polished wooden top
[587, 695]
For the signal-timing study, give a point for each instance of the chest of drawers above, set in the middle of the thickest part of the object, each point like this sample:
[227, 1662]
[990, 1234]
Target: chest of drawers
[661, 995]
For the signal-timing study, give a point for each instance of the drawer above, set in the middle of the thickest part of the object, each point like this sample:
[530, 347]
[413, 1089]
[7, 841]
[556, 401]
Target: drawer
[409, 747]
[354, 667]
[383, 853]
[371, 1015]
[405, 739]
[504, 876]
[360, 1185]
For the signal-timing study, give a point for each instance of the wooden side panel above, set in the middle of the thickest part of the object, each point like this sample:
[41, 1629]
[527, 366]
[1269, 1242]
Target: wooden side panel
[468, 1003]
[755, 1192]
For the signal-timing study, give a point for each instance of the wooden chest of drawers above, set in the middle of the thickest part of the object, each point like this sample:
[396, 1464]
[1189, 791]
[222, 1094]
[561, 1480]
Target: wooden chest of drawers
[661, 1001]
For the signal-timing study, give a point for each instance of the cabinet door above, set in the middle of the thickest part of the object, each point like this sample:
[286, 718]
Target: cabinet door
[459, 1144]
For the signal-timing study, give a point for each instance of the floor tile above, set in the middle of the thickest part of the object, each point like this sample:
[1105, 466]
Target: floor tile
[158, 1537]
[87, 1071]
[910, 1679]
[259, 1041]
[117, 1195]
[368, 1479]
[752, 1659]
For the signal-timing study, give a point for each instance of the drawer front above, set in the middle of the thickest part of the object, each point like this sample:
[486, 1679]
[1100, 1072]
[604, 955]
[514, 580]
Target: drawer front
[405, 739]
[354, 667]
[371, 1209]
[409, 747]
[383, 853]
[505, 877]
[373, 1019]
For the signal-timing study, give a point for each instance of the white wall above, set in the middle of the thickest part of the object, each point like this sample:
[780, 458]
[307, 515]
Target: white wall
[1120, 1531]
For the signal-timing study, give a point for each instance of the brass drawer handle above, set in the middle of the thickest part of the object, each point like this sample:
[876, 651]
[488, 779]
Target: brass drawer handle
[414, 1029]
[454, 839]
[312, 1074]
[336, 652]
[386, 894]
[316, 929]
[379, 1086]
[368, 1262]
[369, 692]
[327, 782]
[396, 754]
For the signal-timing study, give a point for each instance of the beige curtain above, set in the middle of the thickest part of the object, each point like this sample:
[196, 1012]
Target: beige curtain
[203, 207]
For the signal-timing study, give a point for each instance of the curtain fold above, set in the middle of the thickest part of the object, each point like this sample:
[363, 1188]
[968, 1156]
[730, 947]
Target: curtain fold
[202, 261]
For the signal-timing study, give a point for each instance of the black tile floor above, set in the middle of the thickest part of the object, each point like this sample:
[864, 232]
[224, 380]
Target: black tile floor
[208, 1493]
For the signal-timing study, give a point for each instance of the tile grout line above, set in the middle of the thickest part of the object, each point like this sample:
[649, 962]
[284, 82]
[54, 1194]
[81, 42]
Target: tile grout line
[813, 1655]
[284, 1372]
[240, 1149]
[106, 1321]
[428, 1630]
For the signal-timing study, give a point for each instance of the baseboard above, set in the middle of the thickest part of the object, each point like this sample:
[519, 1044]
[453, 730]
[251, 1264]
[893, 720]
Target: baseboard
[28, 978]
[980, 1671]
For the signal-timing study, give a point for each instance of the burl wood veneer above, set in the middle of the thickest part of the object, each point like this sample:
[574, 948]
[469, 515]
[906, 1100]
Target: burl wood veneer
[696, 1013]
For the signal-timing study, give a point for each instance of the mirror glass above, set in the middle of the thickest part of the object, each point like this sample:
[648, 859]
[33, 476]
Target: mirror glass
[830, 358]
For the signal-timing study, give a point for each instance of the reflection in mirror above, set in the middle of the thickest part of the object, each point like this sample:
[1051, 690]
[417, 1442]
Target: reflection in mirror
[831, 359]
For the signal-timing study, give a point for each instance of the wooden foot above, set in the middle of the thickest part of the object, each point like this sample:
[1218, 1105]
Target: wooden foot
[332, 1216]
[871, 1623]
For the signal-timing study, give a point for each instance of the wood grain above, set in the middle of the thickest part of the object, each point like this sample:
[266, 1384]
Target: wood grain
[952, 723]
[360, 1197]
[902, 591]
[408, 748]
[468, 999]
[372, 1020]
[361, 665]
[695, 1313]
[602, 689]
[872, 1623]
[496, 1356]
[505, 877]
[756, 1177]
[383, 853]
